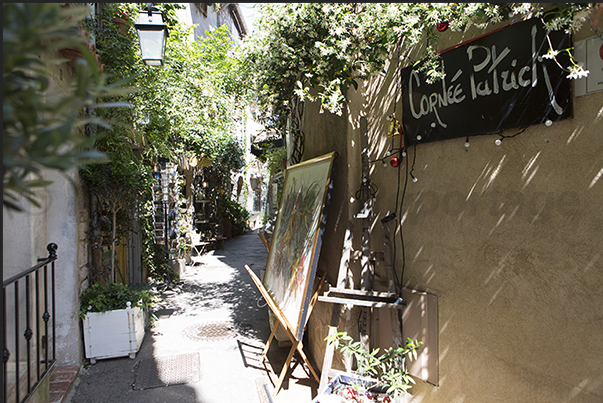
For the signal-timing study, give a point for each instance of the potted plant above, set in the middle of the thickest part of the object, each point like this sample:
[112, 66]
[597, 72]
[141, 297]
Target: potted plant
[121, 18]
[114, 318]
[378, 378]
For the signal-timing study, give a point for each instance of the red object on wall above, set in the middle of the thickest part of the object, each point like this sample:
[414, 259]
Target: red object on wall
[442, 26]
[395, 161]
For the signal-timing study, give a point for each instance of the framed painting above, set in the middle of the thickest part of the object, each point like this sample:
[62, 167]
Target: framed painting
[297, 238]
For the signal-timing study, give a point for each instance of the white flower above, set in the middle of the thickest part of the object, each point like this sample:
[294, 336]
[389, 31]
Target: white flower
[577, 72]
[337, 31]
[551, 54]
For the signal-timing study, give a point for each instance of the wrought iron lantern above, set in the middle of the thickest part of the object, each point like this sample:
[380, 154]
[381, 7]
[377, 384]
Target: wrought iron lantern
[152, 34]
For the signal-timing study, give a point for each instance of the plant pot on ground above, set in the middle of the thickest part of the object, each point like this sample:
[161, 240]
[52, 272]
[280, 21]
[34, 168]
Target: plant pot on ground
[379, 377]
[114, 319]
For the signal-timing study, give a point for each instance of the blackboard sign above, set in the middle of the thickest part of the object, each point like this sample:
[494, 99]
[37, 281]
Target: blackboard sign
[495, 82]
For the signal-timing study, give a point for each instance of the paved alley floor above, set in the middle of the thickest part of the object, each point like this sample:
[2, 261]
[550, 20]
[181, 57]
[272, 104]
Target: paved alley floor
[210, 330]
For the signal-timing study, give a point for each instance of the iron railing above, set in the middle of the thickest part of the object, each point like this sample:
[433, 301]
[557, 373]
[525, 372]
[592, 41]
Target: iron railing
[29, 328]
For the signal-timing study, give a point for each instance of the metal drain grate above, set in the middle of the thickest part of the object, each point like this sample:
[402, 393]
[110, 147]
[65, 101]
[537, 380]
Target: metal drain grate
[211, 331]
[155, 372]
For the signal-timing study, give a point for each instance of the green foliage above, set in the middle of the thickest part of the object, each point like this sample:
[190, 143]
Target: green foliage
[238, 214]
[118, 184]
[118, 187]
[43, 127]
[317, 51]
[275, 157]
[389, 367]
[187, 106]
[153, 255]
[103, 297]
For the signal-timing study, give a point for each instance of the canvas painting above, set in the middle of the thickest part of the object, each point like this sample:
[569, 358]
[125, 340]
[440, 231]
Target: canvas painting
[296, 240]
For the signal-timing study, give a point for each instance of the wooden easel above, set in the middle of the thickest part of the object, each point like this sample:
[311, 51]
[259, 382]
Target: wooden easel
[296, 345]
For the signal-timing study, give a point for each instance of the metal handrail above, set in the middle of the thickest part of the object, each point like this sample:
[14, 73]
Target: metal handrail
[43, 283]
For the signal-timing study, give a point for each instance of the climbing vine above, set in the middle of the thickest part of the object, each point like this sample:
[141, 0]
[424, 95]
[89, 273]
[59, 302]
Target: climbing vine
[186, 108]
[317, 51]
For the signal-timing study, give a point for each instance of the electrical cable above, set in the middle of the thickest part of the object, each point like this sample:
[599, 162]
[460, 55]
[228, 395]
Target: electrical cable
[502, 136]
[414, 158]
[397, 281]
[398, 207]
[400, 202]
[401, 281]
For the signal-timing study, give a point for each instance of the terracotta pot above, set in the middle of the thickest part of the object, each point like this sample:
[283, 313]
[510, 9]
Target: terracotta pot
[122, 25]
[71, 54]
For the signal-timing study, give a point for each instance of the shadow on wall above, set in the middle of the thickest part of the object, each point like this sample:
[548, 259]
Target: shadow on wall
[509, 236]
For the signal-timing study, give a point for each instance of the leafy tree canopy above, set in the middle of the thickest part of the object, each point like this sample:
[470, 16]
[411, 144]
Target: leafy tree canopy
[317, 51]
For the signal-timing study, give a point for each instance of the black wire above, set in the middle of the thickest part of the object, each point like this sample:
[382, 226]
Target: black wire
[414, 158]
[397, 282]
[502, 136]
[513, 135]
[401, 281]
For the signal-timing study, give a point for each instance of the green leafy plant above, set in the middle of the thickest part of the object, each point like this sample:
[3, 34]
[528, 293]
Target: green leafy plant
[44, 128]
[236, 213]
[188, 107]
[275, 158]
[388, 368]
[103, 297]
[317, 51]
[118, 186]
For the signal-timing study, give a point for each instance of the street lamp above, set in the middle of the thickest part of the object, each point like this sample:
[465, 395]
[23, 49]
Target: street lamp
[152, 34]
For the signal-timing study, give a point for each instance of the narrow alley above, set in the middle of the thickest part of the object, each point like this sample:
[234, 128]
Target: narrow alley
[204, 346]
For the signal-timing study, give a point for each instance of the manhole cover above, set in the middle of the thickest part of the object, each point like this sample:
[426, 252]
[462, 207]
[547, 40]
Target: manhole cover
[155, 372]
[211, 331]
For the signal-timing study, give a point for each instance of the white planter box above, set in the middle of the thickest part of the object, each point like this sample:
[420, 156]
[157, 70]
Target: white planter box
[115, 333]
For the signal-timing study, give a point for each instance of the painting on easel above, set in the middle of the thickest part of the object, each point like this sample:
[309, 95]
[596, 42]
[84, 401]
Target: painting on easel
[296, 240]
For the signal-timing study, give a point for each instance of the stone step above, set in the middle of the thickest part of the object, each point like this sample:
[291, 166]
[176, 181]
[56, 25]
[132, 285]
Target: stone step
[62, 380]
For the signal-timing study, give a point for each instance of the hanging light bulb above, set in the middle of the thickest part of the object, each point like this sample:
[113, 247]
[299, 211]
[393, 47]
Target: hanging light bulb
[384, 163]
[467, 143]
[548, 122]
[419, 137]
[498, 142]
[414, 179]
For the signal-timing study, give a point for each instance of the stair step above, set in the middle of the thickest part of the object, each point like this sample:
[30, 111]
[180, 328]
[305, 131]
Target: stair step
[62, 379]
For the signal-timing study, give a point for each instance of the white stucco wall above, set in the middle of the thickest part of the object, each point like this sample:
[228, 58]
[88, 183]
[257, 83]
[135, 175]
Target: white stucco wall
[60, 219]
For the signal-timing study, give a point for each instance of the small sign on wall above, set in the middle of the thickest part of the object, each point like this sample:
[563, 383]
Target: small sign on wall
[589, 54]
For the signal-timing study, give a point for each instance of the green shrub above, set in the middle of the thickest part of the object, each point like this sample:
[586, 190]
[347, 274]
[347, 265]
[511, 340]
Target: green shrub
[101, 297]
[238, 215]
